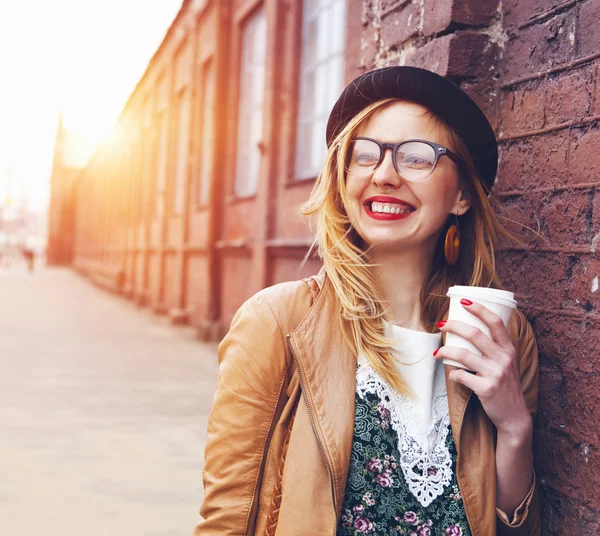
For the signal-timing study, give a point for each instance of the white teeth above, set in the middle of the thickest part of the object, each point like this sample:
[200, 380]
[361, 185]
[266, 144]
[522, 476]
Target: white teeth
[390, 208]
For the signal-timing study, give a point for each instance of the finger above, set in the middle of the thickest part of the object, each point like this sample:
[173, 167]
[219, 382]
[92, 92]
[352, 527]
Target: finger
[498, 331]
[468, 359]
[472, 381]
[472, 334]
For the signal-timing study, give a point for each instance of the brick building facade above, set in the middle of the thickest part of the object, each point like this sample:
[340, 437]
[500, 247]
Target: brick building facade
[193, 204]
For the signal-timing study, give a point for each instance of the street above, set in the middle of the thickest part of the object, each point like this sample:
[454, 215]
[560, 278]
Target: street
[103, 411]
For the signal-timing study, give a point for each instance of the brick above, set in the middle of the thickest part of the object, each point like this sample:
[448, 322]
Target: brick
[583, 408]
[434, 55]
[589, 22]
[534, 162]
[523, 109]
[458, 55]
[369, 47]
[441, 15]
[595, 89]
[539, 47]
[472, 55]
[483, 92]
[595, 241]
[521, 218]
[568, 342]
[437, 16]
[565, 218]
[400, 26]
[568, 97]
[585, 285]
[533, 277]
[517, 12]
[584, 157]
[568, 468]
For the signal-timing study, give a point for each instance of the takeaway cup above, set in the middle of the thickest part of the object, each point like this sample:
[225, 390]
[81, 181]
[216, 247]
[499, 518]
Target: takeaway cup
[500, 302]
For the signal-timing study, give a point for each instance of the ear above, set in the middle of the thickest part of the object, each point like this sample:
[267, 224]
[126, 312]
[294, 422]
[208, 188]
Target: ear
[463, 202]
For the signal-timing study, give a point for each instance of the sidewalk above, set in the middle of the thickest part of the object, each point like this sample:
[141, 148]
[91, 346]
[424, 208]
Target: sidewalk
[103, 411]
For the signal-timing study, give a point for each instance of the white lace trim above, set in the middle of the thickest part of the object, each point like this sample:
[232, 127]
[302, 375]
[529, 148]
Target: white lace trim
[427, 468]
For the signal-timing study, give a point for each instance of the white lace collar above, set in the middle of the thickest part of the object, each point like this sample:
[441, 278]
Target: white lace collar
[424, 457]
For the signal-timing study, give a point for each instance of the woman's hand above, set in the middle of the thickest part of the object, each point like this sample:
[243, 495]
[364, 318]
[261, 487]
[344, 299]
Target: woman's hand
[496, 380]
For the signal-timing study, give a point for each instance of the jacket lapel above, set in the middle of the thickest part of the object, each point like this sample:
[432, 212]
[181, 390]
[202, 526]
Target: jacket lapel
[327, 370]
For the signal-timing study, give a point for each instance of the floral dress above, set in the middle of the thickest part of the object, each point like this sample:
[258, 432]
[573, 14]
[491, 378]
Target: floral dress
[397, 485]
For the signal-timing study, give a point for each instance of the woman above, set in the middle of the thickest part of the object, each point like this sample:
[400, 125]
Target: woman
[334, 413]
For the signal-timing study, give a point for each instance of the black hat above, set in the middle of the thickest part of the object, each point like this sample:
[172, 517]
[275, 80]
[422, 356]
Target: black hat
[446, 100]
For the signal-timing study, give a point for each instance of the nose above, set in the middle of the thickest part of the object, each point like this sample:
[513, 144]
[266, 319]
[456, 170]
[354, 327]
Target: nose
[386, 175]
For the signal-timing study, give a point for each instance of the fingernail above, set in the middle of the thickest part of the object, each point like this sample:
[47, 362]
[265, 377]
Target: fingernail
[435, 352]
[464, 301]
[441, 323]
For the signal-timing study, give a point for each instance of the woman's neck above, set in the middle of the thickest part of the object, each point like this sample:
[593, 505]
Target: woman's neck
[401, 276]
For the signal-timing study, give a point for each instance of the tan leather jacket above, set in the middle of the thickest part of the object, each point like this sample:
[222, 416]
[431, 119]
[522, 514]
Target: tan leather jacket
[285, 351]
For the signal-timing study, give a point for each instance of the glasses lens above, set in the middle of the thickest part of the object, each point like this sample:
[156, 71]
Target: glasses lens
[415, 160]
[363, 157]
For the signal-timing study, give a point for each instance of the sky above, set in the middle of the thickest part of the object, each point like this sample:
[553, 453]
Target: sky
[79, 57]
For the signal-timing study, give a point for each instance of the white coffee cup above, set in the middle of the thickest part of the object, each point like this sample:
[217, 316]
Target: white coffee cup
[501, 302]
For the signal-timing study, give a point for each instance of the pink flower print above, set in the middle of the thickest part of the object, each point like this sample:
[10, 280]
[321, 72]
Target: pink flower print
[362, 524]
[423, 530]
[453, 530]
[384, 413]
[411, 518]
[374, 465]
[358, 509]
[432, 471]
[385, 479]
[347, 518]
[367, 499]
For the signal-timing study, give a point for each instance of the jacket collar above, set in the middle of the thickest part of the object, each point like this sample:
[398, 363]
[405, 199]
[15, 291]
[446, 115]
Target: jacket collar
[327, 368]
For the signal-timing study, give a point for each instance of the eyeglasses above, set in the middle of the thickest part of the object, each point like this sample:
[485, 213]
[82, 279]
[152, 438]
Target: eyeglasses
[414, 160]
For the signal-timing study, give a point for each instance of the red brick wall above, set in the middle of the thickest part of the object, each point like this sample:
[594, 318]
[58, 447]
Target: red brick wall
[533, 65]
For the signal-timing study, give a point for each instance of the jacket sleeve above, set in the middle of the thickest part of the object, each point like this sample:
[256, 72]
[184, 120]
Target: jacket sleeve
[252, 369]
[525, 520]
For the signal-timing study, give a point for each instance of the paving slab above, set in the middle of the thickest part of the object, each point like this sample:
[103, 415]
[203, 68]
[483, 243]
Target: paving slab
[103, 412]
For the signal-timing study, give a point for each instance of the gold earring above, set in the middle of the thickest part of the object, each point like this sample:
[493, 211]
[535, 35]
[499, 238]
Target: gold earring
[452, 243]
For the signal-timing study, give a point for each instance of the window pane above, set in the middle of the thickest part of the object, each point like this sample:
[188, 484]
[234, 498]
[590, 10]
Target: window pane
[321, 91]
[250, 105]
[321, 79]
[323, 35]
[183, 138]
[207, 138]
[338, 34]
[161, 165]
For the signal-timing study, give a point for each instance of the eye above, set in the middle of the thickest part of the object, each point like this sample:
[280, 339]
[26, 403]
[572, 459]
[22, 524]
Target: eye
[416, 161]
[365, 159]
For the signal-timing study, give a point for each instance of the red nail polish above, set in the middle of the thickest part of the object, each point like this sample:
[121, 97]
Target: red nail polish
[464, 301]
[441, 323]
[435, 352]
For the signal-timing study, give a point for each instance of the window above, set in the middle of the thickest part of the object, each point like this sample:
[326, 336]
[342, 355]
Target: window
[251, 95]
[206, 134]
[321, 79]
[183, 141]
[161, 165]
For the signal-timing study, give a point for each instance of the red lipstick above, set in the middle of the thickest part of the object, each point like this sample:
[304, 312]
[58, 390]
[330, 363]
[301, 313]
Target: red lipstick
[395, 204]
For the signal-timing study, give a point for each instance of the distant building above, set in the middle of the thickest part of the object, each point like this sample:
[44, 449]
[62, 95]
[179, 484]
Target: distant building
[72, 151]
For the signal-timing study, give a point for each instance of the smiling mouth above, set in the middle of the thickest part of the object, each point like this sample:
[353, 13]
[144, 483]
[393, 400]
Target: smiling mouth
[388, 208]
[378, 210]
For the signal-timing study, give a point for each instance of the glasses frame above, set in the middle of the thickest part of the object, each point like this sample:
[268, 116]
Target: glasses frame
[439, 151]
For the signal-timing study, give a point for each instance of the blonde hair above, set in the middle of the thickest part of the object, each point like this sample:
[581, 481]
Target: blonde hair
[350, 270]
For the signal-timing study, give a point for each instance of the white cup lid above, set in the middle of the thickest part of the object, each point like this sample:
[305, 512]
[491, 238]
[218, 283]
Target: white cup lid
[503, 297]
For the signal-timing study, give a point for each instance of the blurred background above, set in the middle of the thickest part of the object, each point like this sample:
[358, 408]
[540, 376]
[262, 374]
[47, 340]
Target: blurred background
[162, 150]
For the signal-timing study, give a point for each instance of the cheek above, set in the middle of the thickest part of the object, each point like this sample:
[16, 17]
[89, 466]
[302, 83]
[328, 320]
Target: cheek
[354, 193]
